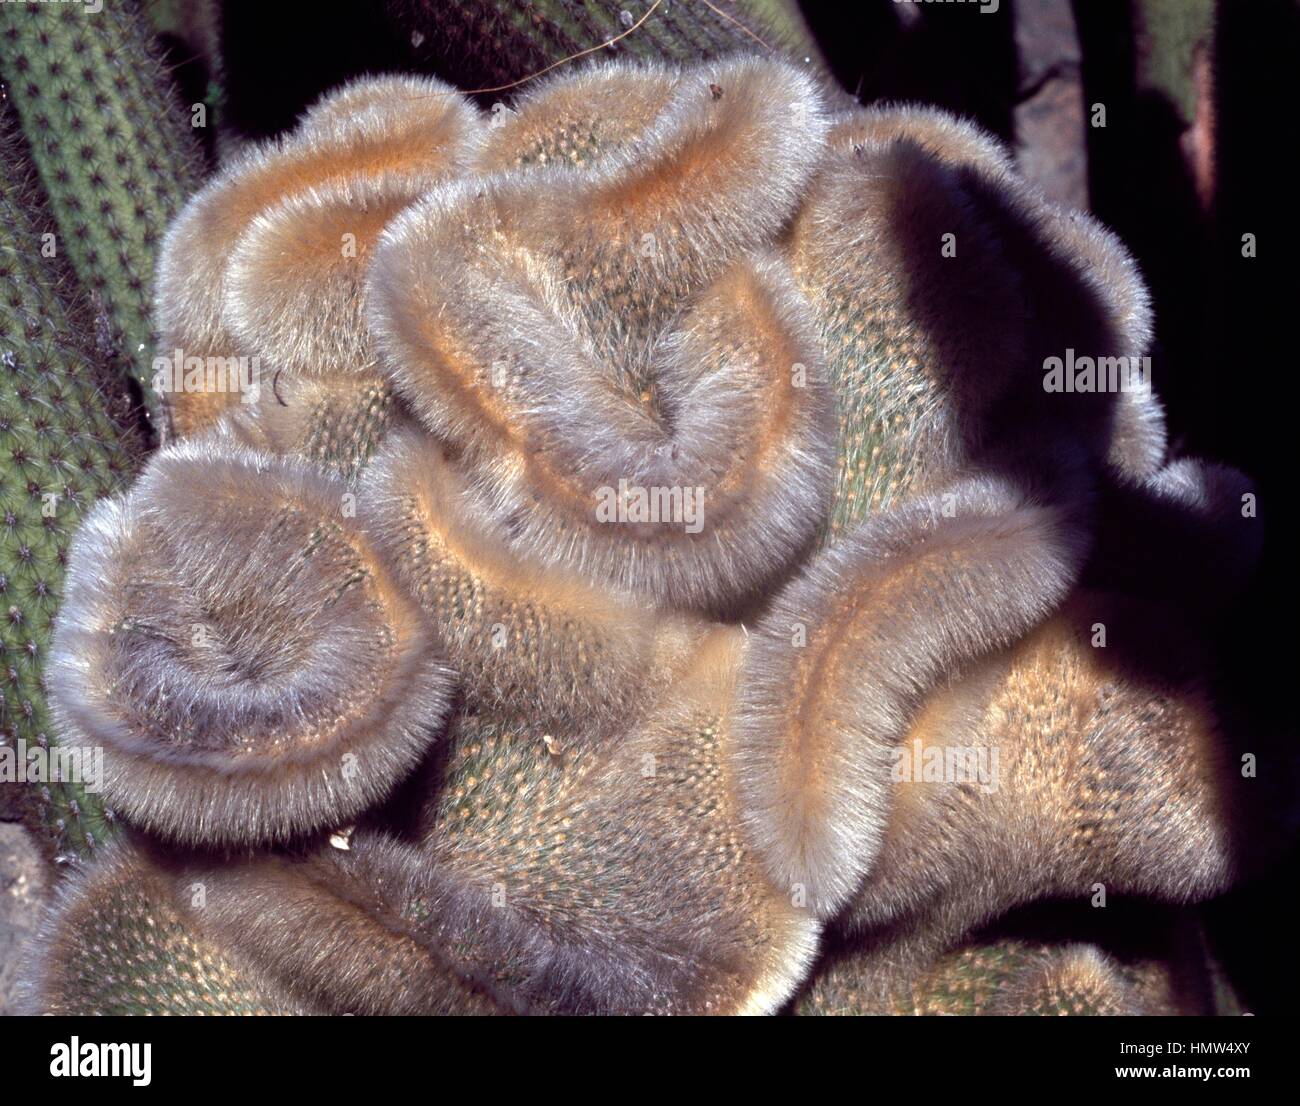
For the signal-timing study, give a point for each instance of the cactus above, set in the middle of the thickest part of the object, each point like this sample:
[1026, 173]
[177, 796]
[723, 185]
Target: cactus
[62, 450]
[337, 423]
[574, 377]
[527, 641]
[1008, 976]
[1077, 981]
[324, 933]
[543, 877]
[115, 154]
[320, 198]
[587, 839]
[279, 687]
[633, 747]
[919, 200]
[146, 959]
[822, 712]
[1066, 749]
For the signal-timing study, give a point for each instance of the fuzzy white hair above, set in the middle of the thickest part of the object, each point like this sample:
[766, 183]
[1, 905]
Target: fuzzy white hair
[405, 132]
[840, 663]
[240, 650]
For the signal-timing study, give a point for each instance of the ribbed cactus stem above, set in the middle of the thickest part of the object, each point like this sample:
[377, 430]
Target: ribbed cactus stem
[115, 154]
[60, 451]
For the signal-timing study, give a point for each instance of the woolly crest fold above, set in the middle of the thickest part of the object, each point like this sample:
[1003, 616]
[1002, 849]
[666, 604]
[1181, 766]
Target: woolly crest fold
[237, 646]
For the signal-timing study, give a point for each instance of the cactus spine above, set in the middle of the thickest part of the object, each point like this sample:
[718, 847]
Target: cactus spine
[60, 451]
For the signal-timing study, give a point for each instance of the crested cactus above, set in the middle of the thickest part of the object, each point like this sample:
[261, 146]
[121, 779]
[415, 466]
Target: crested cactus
[941, 281]
[637, 280]
[586, 842]
[824, 705]
[278, 687]
[1064, 749]
[531, 322]
[1026, 768]
[115, 154]
[267, 264]
[62, 451]
[1076, 981]
[149, 961]
[1010, 977]
[527, 641]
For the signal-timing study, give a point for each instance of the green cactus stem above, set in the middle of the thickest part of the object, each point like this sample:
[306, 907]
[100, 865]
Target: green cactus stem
[60, 451]
[116, 156]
